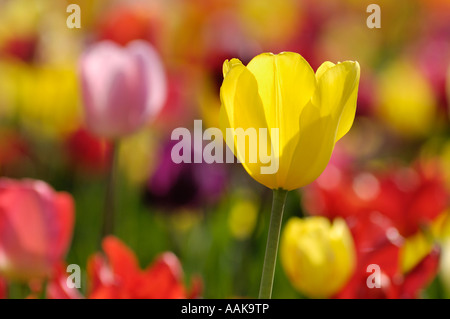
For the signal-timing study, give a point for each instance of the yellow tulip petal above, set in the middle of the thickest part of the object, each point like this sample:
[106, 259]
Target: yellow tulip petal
[242, 109]
[313, 148]
[286, 83]
[227, 93]
[337, 92]
[322, 68]
[229, 64]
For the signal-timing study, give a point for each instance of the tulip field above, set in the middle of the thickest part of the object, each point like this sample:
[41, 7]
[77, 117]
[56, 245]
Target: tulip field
[224, 149]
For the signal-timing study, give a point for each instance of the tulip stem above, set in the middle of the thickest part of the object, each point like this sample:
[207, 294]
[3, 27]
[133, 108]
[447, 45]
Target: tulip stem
[270, 258]
[109, 208]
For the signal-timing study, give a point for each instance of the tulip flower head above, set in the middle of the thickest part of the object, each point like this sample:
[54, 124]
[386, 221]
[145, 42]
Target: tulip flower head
[117, 275]
[36, 226]
[309, 111]
[318, 256]
[122, 88]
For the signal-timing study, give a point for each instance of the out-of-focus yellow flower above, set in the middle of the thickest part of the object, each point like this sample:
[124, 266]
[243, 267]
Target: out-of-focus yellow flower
[311, 112]
[44, 99]
[185, 219]
[138, 156]
[19, 17]
[440, 228]
[414, 249]
[318, 256]
[243, 216]
[406, 100]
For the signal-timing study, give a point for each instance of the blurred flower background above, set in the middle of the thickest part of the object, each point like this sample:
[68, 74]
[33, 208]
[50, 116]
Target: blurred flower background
[199, 230]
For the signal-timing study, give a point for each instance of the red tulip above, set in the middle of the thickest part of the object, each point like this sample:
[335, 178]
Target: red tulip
[22, 48]
[378, 243]
[412, 197]
[87, 152]
[36, 226]
[122, 87]
[118, 276]
[408, 197]
[381, 208]
[127, 22]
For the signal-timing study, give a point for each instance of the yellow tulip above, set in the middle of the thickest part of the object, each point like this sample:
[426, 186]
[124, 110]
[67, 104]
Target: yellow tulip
[44, 99]
[318, 256]
[311, 111]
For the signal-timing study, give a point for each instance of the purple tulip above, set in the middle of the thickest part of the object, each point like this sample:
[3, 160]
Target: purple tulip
[122, 87]
[184, 185]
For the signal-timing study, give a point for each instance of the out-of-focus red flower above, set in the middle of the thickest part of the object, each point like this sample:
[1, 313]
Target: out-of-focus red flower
[125, 23]
[86, 151]
[57, 287]
[117, 275]
[378, 243]
[408, 197]
[412, 197]
[22, 48]
[382, 209]
[36, 226]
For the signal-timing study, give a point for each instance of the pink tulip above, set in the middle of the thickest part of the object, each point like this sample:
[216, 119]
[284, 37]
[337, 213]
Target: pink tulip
[122, 87]
[36, 226]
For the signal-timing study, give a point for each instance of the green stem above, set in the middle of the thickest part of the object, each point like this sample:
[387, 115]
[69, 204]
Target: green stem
[109, 208]
[270, 258]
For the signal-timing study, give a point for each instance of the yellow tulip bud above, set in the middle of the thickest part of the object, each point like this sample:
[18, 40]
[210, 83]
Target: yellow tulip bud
[318, 256]
[309, 112]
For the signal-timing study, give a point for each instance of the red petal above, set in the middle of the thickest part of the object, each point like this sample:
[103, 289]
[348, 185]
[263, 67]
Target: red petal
[57, 286]
[420, 276]
[122, 260]
[163, 279]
